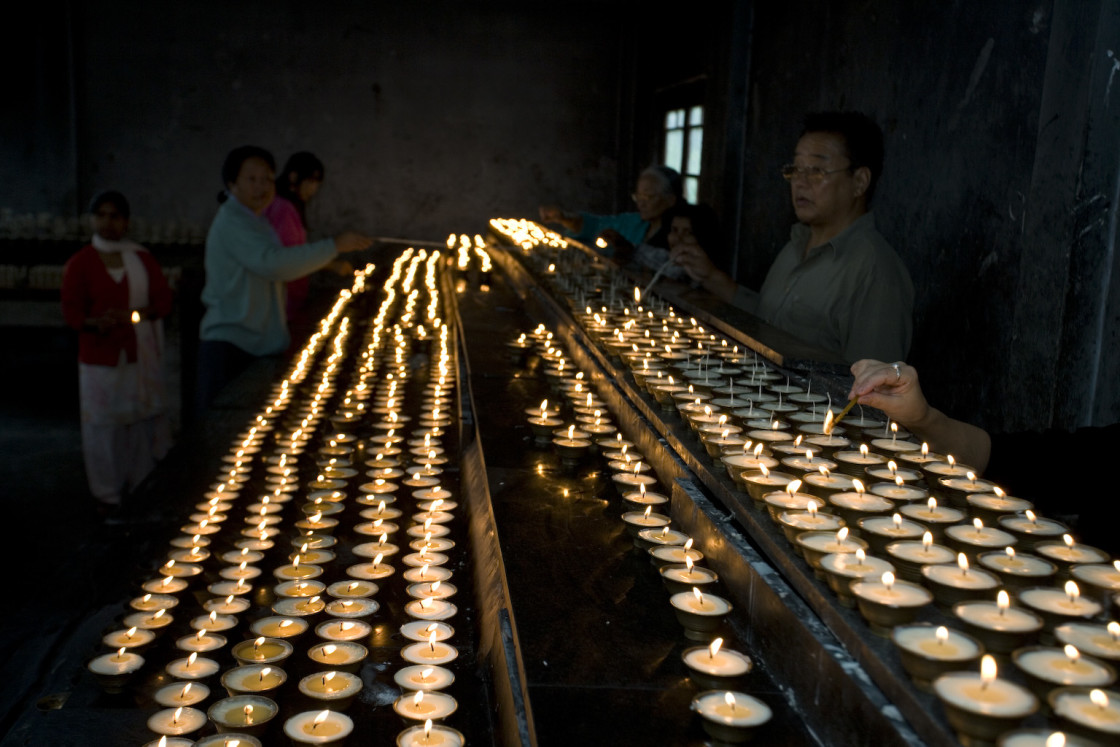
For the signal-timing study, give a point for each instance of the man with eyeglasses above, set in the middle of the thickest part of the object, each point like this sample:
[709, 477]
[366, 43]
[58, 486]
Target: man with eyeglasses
[837, 284]
[658, 190]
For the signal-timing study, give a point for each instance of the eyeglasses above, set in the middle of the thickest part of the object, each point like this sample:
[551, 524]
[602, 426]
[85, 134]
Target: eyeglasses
[639, 197]
[812, 174]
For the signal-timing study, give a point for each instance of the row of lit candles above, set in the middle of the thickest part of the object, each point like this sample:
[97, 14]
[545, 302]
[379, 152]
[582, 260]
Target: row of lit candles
[644, 337]
[700, 612]
[206, 525]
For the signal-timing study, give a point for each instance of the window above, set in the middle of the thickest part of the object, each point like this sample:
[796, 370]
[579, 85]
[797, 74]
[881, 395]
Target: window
[684, 143]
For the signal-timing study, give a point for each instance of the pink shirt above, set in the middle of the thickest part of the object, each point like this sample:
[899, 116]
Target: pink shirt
[285, 220]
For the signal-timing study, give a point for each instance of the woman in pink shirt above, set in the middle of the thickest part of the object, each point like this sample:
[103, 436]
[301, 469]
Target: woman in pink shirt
[296, 185]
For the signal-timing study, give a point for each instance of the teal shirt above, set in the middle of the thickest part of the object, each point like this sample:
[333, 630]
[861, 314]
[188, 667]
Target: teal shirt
[630, 225]
[246, 271]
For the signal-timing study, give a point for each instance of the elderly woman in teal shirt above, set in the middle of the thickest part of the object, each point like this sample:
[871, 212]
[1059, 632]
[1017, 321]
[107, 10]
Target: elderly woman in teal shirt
[247, 268]
[657, 191]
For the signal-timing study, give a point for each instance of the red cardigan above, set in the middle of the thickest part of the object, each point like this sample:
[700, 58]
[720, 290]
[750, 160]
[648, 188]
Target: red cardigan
[88, 291]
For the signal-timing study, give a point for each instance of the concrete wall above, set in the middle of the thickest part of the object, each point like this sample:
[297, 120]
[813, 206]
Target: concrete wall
[430, 117]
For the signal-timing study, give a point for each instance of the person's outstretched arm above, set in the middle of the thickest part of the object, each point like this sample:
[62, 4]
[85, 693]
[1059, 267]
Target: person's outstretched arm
[894, 389]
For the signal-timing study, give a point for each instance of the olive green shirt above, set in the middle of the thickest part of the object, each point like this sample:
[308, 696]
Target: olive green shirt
[851, 296]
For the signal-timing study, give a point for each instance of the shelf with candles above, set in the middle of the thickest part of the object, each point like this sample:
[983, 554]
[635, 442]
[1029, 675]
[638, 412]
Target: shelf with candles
[539, 503]
[320, 429]
[550, 297]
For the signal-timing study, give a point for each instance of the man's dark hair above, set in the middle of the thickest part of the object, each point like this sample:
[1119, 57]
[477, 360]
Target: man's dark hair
[114, 198]
[862, 138]
[238, 156]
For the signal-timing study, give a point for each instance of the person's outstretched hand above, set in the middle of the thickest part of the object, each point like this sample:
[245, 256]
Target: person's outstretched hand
[890, 387]
[349, 241]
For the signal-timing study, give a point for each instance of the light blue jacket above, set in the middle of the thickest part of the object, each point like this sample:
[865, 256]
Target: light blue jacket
[246, 271]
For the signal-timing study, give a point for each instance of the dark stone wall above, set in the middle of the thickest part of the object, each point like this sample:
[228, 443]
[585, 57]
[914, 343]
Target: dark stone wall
[430, 118]
[998, 190]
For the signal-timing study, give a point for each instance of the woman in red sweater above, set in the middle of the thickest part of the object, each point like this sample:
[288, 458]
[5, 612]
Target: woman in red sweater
[114, 293]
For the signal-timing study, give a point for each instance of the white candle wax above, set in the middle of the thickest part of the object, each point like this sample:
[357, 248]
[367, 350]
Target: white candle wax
[916, 552]
[180, 694]
[849, 566]
[923, 640]
[332, 685]
[436, 736]
[1089, 638]
[231, 713]
[253, 678]
[989, 616]
[1054, 666]
[304, 729]
[1058, 602]
[424, 677]
[429, 653]
[343, 630]
[725, 662]
[865, 502]
[988, 537]
[277, 626]
[952, 575]
[352, 588]
[745, 711]
[116, 663]
[999, 697]
[129, 638]
[337, 653]
[898, 594]
[175, 721]
[266, 651]
[184, 669]
[1078, 707]
[433, 705]
[1021, 565]
[707, 605]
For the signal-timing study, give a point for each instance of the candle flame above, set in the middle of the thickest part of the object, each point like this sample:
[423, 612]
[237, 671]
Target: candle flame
[323, 716]
[942, 634]
[418, 699]
[714, 647]
[1010, 552]
[1072, 592]
[842, 535]
[857, 485]
[1071, 653]
[962, 562]
[887, 579]
[927, 541]
[1114, 631]
[698, 594]
[1003, 601]
[1099, 698]
[988, 670]
[729, 699]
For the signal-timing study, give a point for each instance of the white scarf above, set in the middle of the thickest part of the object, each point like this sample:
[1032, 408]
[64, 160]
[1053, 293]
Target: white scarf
[149, 332]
